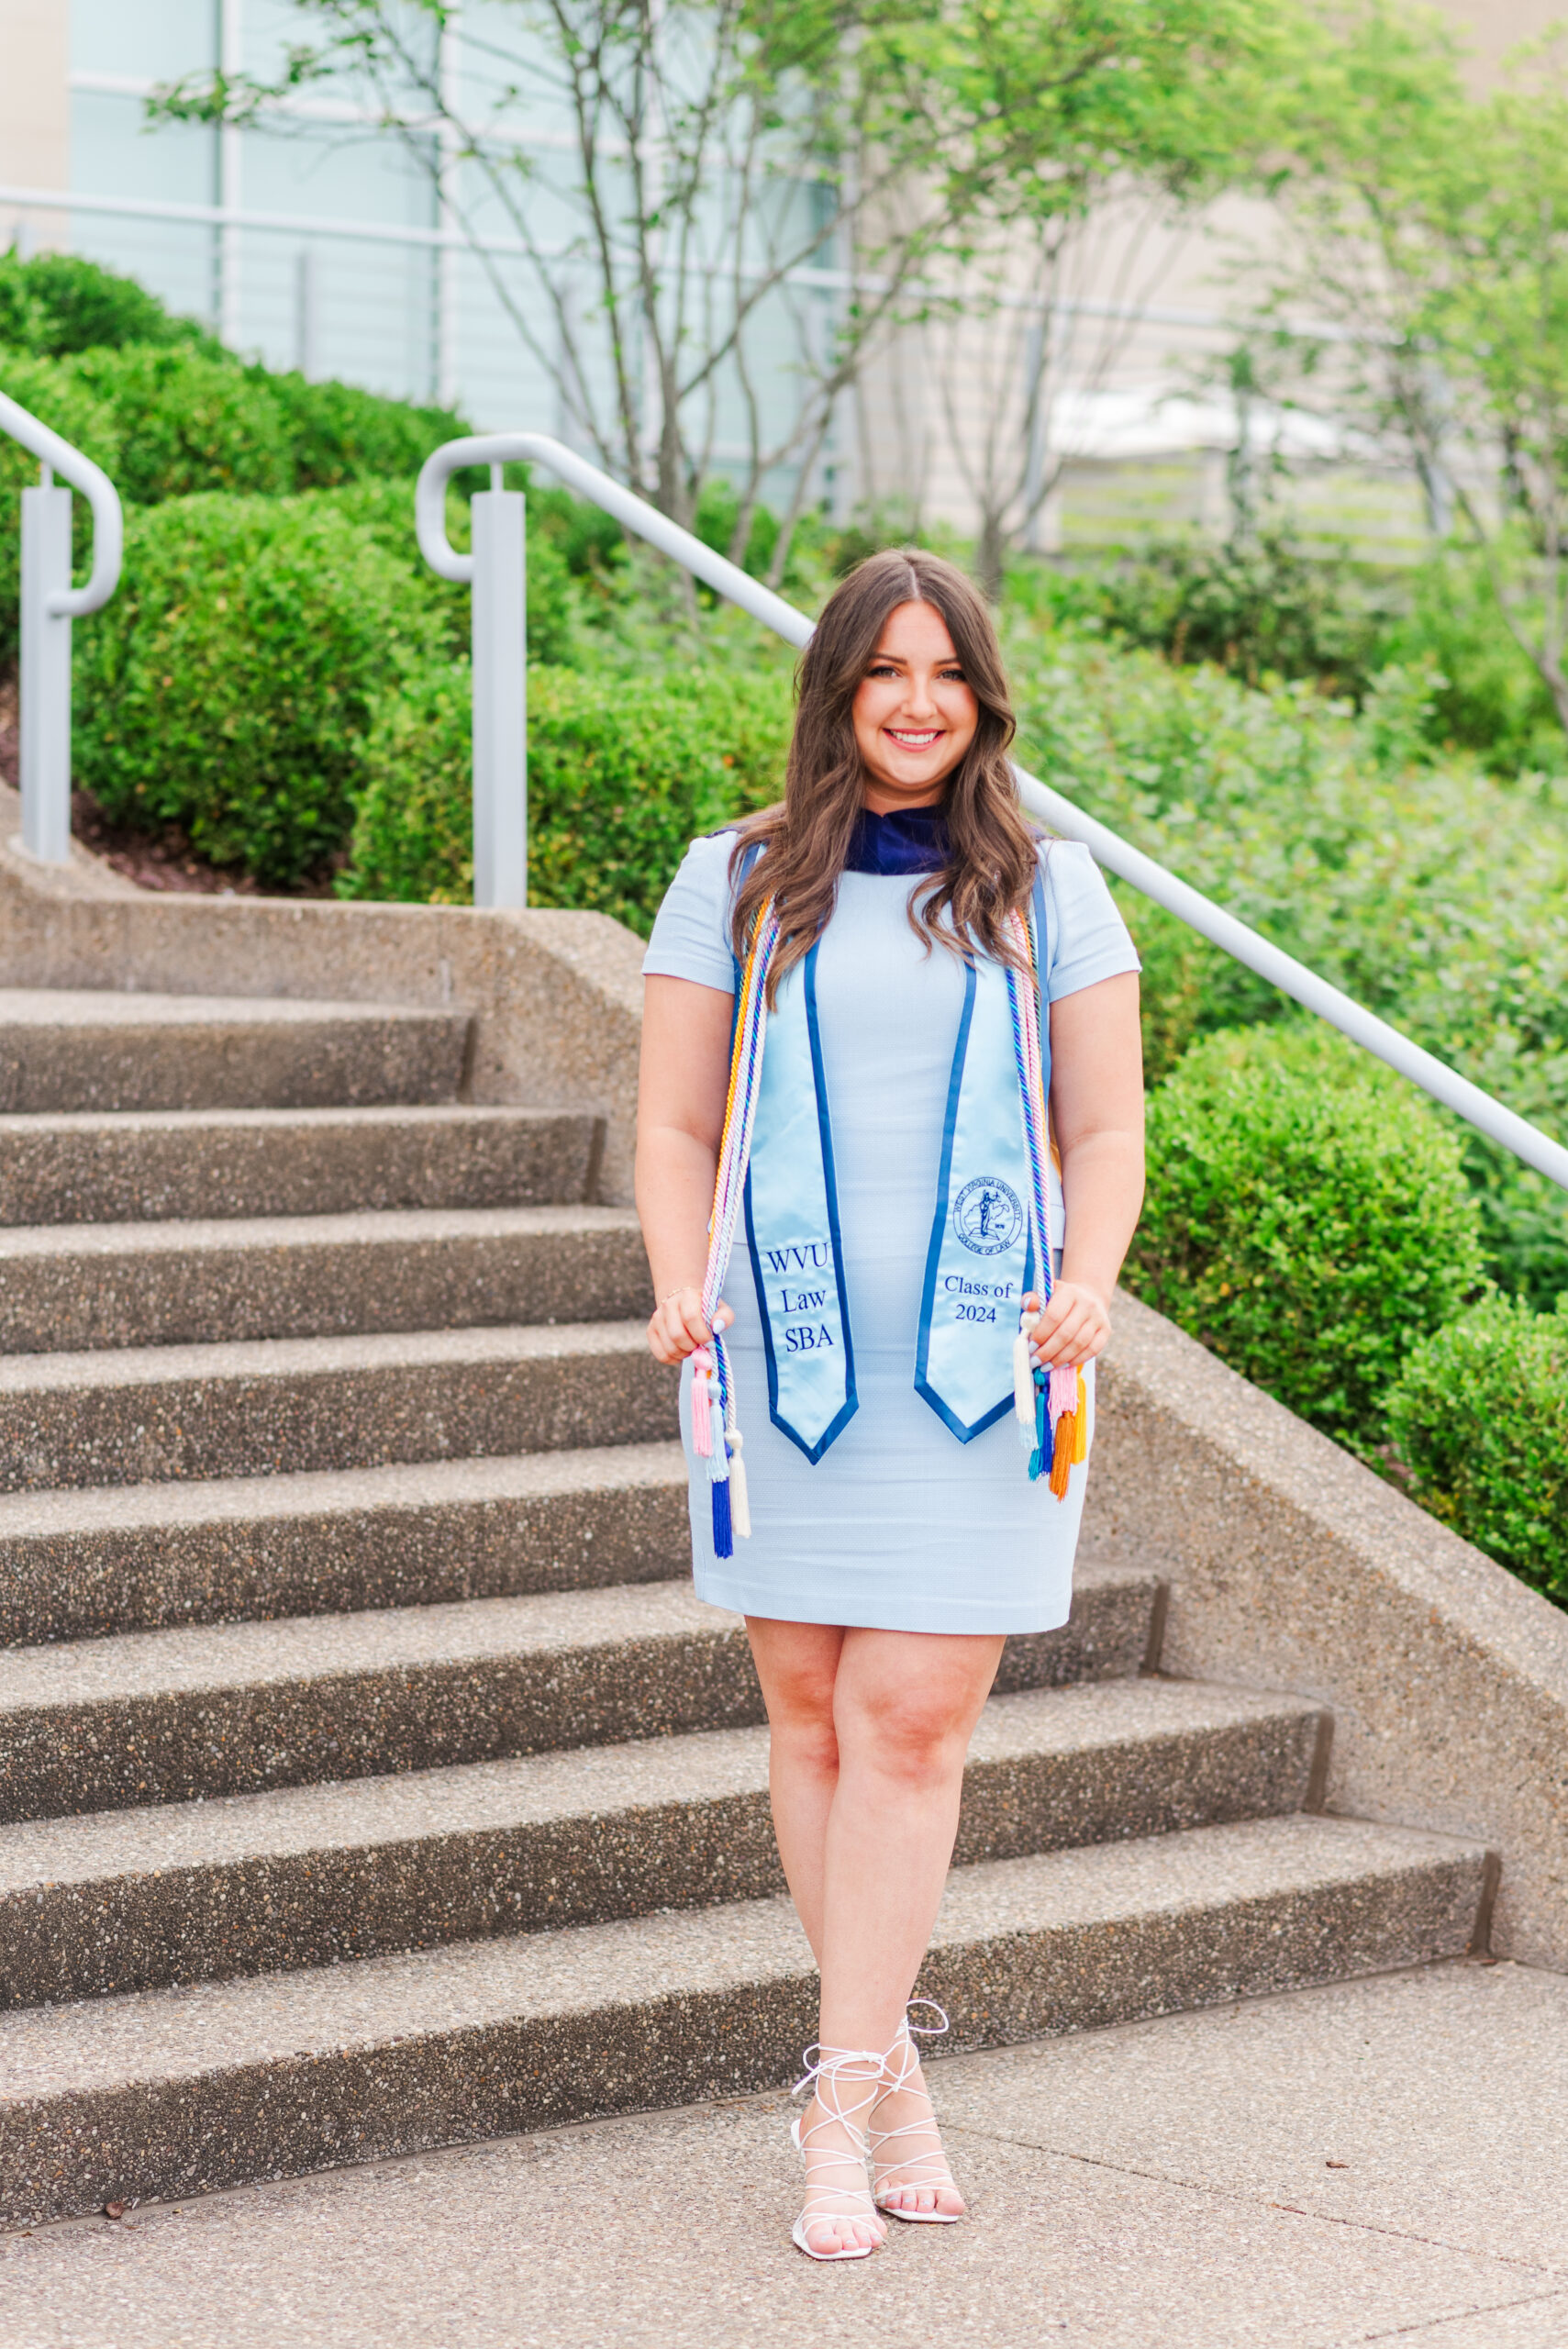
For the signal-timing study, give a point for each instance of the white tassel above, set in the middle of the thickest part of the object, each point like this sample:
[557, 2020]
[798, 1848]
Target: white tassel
[740, 1506]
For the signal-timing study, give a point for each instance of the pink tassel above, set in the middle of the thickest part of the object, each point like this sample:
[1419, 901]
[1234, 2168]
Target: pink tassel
[702, 1403]
[1063, 1391]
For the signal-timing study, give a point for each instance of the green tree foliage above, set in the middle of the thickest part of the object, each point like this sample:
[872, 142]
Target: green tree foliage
[1306, 1216]
[622, 775]
[231, 683]
[1480, 1418]
[1433, 226]
[58, 303]
[57, 398]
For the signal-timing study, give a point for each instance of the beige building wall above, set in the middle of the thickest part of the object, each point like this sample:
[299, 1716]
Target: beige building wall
[35, 110]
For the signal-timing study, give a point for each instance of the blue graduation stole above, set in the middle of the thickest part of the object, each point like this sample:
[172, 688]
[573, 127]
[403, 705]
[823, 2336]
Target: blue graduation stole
[982, 1259]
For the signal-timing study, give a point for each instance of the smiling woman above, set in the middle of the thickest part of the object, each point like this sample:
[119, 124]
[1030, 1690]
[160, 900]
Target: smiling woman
[859, 1007]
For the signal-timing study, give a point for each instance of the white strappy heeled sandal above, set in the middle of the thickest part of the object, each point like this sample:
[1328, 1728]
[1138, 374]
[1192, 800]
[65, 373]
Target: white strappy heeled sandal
[829, 2071]
[899, 2066]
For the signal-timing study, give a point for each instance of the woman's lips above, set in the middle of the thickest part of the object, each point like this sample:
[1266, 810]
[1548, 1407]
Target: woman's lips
[912, 741]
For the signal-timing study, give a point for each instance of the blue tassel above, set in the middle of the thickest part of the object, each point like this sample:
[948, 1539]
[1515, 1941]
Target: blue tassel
[1039, 1457]
[723, 1535]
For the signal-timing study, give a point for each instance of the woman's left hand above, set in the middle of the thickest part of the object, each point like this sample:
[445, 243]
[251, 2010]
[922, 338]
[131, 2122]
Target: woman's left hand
[1074, 1328]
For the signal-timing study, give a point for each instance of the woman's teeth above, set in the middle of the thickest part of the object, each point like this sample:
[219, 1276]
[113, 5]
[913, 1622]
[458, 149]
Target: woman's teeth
[914, 741]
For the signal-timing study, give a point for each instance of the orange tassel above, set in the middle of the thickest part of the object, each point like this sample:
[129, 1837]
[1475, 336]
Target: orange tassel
[1061, 1455]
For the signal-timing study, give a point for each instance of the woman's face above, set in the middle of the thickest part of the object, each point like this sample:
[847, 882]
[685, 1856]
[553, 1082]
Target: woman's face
[914, 715]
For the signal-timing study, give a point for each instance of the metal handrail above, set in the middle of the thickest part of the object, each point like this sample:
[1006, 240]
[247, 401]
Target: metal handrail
[49, 604]
[1387, 1044]
[108, 521]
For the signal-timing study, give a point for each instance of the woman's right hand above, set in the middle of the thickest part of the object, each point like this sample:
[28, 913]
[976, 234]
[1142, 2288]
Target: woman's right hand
[677, 1328]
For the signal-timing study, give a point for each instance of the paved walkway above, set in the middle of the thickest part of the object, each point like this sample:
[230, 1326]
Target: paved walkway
[1385, 2160]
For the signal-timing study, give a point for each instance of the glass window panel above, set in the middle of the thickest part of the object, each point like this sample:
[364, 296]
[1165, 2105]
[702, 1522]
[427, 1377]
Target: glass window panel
[372, 309]
[114, 153]
[159, 39]
[337, 176]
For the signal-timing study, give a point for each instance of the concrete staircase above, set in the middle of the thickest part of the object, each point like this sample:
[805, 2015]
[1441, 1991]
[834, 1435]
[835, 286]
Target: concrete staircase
[370, 1780]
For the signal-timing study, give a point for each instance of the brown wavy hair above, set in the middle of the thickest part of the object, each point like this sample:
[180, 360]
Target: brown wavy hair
[990, 866]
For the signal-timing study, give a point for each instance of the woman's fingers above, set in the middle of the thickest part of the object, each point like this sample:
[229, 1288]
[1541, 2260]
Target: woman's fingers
[679, 1327]
[1073, 1329]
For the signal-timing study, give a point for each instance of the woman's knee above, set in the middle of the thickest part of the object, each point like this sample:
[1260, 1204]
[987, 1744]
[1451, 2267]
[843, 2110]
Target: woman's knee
[917, 1736]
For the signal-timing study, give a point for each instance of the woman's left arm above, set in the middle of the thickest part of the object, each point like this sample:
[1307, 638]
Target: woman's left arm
[1097, 1117]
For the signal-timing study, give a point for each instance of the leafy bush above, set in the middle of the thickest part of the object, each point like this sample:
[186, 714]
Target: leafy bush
[231, 683]
[335, 433]
[621, 775]
[186, 422]
[1262, 605]
[1306, 1216]
[51, 392]
[58, 303]
[1480, 1417]
[386, 508]
[1486, 696]
[1436, 896]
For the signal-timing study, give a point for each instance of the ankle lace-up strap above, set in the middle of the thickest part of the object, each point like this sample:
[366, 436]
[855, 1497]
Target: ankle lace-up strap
[833, 2073]
[899, 2065]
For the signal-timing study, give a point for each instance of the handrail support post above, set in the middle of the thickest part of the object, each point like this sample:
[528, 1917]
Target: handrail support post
[500, 698]
[45, 714]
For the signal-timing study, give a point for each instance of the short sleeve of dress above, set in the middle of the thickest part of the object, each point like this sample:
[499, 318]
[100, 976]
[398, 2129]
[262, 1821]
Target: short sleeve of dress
[691, 930]
[1086, 938]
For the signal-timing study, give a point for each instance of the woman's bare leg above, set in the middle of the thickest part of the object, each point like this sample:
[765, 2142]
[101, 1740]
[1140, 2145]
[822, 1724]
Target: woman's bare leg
[869, 1746]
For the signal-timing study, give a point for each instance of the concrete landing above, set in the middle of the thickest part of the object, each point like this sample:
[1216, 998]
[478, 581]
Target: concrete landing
[1379, 2160]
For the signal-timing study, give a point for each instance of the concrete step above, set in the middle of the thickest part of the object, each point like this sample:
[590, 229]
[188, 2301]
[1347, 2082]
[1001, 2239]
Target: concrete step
[70, 1287]
[182, 1716]
[154, 1166]
[272, 1406]
[80, 1564]
[69, 1050]
[168, 2093]
[157, 1717]
[313, 1875]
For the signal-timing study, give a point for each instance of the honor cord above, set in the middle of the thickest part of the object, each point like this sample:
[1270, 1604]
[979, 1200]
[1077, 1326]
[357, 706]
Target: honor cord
[715, 1433]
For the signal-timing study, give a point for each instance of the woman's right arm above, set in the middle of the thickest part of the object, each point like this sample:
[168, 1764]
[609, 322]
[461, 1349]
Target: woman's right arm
[680, 1119]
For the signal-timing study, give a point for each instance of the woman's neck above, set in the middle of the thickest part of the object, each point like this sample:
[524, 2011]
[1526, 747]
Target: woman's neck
[881, 802]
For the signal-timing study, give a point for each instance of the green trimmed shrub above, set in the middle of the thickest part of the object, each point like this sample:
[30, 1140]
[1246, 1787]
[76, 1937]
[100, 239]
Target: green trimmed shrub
[51, 393]
[386, 508]
[1480, 1419]
[230, 685]
[622, 775]
[1307, 1219]
[186, 423]
[336, 433]
[58, 303]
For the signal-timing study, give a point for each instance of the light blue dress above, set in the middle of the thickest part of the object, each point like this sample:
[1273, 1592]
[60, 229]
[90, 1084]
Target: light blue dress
[898, 1527]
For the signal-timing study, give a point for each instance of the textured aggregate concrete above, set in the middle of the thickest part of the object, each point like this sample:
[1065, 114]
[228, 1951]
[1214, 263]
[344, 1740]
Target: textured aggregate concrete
[181, 1714]
[1293, 1567]
[79, 1564]
[295, 1404]
[171, 2092]
[63, 1288]
[555, 997]
[129, 1167]
[174, 1716]
[1155, 2186]
[309, 1876]
[62, 1050]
